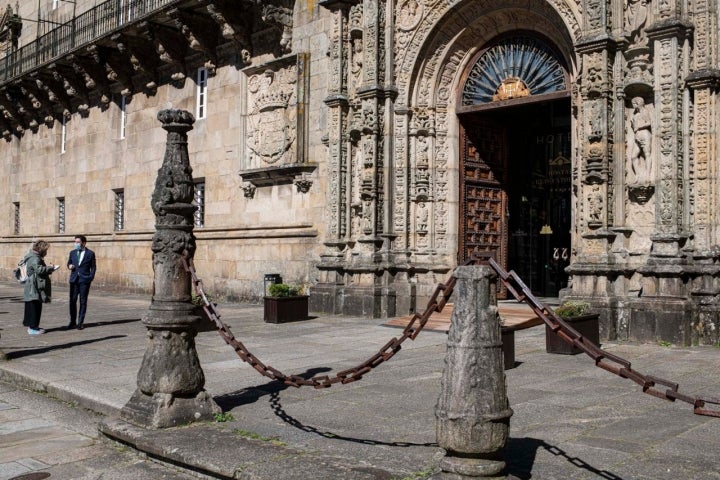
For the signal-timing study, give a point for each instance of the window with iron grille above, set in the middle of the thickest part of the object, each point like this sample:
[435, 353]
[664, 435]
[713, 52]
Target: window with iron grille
[119, 209]
[200, 203]
[16, 228]
[202, 80]
[61, 215]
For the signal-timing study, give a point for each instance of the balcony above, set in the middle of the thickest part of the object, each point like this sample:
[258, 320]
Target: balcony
[126, 47]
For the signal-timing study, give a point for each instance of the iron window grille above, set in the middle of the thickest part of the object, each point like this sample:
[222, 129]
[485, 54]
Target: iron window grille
[119, 210]
[61, 214]
[16, 227]
[200, 203]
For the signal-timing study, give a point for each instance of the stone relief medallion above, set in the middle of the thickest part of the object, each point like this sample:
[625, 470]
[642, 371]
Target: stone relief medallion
[272, 112]
[410, 12]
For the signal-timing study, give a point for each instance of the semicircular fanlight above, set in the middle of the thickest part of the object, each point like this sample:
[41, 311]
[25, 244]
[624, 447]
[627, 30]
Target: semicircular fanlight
[513, 68]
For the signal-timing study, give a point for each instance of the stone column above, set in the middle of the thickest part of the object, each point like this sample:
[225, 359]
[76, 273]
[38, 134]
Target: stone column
[473, 414]
[170, 381]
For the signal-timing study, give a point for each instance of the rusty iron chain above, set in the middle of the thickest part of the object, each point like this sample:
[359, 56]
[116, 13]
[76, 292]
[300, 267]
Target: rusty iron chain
[437, 302]
[612, 363]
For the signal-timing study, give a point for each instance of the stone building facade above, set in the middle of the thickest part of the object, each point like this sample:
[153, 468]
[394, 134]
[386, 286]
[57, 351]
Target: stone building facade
[365, 147]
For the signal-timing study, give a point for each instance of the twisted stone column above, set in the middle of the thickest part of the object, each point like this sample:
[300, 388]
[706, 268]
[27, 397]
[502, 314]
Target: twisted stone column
[473, 415]
[171, 381]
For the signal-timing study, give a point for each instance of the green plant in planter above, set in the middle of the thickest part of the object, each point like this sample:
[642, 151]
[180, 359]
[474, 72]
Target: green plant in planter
[572, 309]
[283, 290]
[197, 300]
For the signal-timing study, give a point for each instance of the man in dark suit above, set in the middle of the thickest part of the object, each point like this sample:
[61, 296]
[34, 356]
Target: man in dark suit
[82, 272]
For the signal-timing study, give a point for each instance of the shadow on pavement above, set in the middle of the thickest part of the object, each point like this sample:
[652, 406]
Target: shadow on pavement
[280, 412]
[50, 348]
[245, 396]
[94, 324]
[520, 455]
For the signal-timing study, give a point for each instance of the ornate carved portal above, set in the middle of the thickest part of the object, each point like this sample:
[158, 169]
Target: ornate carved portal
[515, 162]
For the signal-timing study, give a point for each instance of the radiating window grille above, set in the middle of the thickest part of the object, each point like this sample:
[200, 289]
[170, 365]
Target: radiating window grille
[119, 210]
[16, 227]
[123, 116]
[514, 67]
[202, 80]
[61, 214]
[200, 203]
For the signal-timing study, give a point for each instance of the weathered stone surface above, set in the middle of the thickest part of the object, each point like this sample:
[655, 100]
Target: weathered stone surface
[473, 414]
[170, 381]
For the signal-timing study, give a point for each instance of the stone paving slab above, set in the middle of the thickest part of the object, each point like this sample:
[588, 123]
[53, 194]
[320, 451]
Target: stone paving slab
[571, 420]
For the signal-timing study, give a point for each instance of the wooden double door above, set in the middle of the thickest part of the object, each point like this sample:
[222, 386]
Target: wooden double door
[515, 191]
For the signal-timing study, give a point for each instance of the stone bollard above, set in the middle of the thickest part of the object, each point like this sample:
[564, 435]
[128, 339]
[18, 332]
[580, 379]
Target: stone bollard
[473, 414]
[170, 383]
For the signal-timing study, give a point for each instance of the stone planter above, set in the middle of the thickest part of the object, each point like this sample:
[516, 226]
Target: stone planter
[586, 325]
[285, 309]
[508, 347]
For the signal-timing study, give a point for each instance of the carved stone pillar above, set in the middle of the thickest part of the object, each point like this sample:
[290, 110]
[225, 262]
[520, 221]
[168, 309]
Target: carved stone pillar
[170, 381]
[473, 414]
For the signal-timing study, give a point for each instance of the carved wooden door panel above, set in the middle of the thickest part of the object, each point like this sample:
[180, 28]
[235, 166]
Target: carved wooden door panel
[483, 194]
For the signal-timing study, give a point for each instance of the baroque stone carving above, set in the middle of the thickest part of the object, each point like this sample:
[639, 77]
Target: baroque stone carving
[272, 112]
[636, 15]
[641, 165]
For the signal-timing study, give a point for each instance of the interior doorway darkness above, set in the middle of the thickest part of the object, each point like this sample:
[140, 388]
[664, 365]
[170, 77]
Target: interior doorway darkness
[516, 190]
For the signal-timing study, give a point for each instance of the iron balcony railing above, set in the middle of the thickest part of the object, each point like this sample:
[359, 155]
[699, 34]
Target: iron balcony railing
[80, 31]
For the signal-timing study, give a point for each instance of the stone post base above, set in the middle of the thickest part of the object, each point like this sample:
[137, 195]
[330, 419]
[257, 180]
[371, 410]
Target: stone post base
[466, 468]
[163, 410]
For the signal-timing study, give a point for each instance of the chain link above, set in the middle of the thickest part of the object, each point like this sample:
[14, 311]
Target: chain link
[651, 385]
[437, 302]
[612, 363]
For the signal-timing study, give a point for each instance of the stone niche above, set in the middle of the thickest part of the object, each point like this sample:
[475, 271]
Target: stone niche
[275, 124]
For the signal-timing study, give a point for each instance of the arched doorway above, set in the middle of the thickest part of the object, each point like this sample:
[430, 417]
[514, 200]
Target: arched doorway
[515, 159]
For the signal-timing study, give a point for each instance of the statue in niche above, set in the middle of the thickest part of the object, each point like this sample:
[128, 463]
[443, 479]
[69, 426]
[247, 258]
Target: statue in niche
[422, 217]
[422, 152]
[357, 59]
[640, 144]
[636, 13]
[594, 207]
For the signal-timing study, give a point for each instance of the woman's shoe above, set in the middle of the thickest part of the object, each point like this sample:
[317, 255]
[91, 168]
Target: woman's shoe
[32, 331]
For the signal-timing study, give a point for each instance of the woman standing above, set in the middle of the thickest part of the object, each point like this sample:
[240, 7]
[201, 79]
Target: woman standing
[37, 286]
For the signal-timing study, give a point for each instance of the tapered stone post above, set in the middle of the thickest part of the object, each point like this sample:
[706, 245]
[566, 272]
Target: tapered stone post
[473, 415]
[170, 383]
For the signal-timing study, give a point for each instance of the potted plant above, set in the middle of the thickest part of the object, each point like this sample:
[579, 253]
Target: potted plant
[578, 315]
[206, 324]
[285, 303]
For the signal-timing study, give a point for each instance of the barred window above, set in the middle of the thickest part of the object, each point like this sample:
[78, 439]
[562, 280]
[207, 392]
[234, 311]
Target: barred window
[200, 203]
[119, 209]
[61, 215]
[202, 80]
[16, 228]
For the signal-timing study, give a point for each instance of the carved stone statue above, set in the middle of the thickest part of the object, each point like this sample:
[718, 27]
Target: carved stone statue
[640, 144]
[636, 12]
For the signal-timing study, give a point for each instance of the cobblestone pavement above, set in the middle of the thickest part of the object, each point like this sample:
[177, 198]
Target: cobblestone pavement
[571, 421]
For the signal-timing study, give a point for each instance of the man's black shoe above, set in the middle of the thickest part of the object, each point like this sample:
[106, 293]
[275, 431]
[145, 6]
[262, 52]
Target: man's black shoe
[70, 327]
[80, 327]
